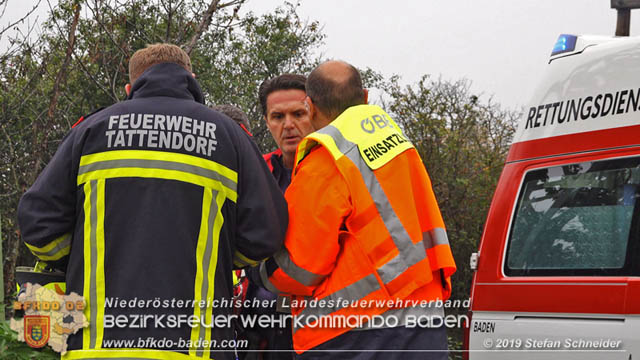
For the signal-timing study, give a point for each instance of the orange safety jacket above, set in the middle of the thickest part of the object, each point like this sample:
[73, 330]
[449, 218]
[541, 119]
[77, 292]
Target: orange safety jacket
[365, 234]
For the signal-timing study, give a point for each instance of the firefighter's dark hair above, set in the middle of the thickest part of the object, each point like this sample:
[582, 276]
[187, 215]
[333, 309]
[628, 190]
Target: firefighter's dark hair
[282, 82]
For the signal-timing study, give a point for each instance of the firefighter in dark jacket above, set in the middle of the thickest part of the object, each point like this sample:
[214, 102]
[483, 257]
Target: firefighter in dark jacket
[288, 121]
[154, 201]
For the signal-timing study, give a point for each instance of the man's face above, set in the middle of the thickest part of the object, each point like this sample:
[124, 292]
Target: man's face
[288, 119]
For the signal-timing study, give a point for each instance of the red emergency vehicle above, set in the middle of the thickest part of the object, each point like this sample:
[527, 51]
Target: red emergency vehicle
[558, 268]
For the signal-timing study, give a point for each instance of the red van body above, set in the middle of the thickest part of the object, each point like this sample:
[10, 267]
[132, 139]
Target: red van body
[558, 268]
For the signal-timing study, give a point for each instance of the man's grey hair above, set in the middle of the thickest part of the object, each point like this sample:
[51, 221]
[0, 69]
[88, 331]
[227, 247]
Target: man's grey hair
[234, 113]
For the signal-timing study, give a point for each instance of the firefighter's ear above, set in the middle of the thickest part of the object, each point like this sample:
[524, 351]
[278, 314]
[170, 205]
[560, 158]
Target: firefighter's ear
[308, 104]
[127, 89]
[366, 95]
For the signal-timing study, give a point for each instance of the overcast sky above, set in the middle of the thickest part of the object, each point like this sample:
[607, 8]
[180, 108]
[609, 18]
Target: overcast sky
[502, 46]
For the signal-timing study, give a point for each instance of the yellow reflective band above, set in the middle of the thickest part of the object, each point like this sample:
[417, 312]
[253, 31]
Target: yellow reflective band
[160, 155]
[160, 165]
[99, 265]
[129, 354]
[207, 199]
[213, 259]
[86, 332]
[207, 260]
[157, 174]
[93, 248]
[304, 147]
[242, 260]
[55, 250]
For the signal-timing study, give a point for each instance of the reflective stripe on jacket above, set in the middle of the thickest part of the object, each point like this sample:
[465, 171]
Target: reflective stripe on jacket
[365, 230]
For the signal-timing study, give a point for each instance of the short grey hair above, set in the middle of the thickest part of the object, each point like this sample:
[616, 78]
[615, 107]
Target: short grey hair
[234, 113]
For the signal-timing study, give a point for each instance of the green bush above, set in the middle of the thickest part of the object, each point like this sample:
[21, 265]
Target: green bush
[13, 349]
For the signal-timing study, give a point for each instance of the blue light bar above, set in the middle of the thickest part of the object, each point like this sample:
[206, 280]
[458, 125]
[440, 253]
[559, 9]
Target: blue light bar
[565, 43]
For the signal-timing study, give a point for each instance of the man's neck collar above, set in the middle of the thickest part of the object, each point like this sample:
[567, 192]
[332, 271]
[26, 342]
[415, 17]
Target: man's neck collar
[287, 162]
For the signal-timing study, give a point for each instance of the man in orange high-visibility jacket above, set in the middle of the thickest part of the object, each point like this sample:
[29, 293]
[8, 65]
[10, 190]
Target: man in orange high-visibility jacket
[366, 245]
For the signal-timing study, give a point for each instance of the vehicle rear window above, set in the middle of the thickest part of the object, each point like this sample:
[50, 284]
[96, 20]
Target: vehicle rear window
[577, 219]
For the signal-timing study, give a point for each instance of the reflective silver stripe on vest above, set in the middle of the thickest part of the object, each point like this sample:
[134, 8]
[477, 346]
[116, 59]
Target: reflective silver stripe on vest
[354, 292]
[306, 278]
[409, 253]
[158, 164]
[265, 279]
[434, 237]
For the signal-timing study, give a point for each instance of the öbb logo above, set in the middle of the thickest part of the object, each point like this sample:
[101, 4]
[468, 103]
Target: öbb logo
[369, 125]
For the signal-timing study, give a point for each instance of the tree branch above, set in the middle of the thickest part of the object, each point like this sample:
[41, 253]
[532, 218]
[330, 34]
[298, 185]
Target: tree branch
[19, 20]
[81, 62]
[115, 79]
[169, 11]
[60, 79]
[95, 81]
[204, 23]
[100, 22]
[62, 74]
[13, 155]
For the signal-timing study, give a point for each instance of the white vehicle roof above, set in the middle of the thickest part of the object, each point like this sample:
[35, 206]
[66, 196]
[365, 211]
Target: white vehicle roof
[591, 86]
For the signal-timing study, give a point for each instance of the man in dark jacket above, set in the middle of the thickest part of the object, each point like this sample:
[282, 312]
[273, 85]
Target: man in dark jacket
[149, 204]
[288, 120]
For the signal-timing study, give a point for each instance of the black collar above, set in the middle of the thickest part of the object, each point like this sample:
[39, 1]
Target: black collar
[167, 79]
